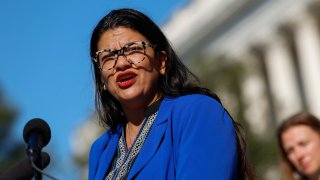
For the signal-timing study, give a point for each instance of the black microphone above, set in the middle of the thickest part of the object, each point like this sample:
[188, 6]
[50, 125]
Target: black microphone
[36, 134]
[23, 170]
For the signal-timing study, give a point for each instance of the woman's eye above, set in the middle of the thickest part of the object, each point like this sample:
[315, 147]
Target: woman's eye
[105, 58]
[289, 151]
[304, 143]
[133, 49]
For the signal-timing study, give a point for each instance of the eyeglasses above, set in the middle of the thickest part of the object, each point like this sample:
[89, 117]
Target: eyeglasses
[133, 52]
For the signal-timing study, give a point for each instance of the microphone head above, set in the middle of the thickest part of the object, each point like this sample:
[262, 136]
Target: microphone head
[40, 126]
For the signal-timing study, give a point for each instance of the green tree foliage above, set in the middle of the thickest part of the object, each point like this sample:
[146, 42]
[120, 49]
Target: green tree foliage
[11, 152]
[224, 77]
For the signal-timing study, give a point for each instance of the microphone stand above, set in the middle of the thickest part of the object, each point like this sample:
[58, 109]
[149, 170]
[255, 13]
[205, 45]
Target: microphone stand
[37, 174]
[34, 154]
[35, 160]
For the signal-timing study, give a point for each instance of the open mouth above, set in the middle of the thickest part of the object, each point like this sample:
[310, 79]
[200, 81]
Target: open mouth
[126, 79]
[123, 79]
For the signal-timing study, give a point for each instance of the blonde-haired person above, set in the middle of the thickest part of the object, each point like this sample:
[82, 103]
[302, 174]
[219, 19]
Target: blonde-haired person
[299, 142]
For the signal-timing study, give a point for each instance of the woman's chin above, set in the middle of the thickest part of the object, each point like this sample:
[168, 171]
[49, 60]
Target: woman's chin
[130, 100]
[311, 172]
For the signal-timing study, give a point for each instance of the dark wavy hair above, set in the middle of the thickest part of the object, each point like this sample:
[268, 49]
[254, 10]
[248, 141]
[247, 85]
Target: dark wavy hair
[177, 81]
[302, 118]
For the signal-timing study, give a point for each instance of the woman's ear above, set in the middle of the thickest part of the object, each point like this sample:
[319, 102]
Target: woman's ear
[103, 84]
[162, 62]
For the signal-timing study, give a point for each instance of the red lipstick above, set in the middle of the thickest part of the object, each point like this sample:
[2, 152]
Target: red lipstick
[126, 79]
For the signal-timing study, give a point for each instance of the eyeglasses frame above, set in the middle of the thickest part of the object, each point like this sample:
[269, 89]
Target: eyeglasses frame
[120, 52]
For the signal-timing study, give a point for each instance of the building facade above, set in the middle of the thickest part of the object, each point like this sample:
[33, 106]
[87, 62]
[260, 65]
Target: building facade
[279, 40]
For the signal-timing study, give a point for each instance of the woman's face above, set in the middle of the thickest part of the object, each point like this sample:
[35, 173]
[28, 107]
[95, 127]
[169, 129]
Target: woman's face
[133, 85]
[302, 146]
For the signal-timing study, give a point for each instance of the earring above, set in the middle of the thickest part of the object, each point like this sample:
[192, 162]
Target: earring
[104, 87]
[162, 71]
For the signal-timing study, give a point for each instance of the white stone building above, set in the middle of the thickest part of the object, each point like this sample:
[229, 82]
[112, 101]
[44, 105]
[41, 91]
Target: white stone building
[281, 35]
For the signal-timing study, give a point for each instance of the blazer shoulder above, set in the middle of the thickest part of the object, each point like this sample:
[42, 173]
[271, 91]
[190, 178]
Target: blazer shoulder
[105, 137]
[195, 100]
[197, 108]
[100, 141]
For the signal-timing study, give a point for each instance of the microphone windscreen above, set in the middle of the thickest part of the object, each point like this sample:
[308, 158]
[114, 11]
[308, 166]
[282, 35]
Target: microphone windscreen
[23, 169]
[37, 125]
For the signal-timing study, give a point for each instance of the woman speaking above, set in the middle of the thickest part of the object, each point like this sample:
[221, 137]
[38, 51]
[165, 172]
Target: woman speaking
[162, 124]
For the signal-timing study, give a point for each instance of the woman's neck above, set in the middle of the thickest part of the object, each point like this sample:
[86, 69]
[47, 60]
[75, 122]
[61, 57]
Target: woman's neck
[135, 113]
[135, 117]
[132, 131]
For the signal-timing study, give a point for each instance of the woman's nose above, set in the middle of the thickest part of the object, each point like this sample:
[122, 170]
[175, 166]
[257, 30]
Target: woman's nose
[122, 62]
[299, 154]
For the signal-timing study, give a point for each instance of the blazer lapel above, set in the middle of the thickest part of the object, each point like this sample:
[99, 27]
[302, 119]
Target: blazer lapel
[106, 157]
[153, 140]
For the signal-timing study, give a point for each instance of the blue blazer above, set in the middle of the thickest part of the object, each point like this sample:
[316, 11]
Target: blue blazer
[192, 137]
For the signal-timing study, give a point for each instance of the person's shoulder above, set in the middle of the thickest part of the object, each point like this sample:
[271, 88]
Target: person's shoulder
[197, 110]
[191, 103]
[104, 138]
[194, 99]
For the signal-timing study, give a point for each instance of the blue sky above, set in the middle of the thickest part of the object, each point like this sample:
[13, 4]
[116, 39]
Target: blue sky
[45, 69]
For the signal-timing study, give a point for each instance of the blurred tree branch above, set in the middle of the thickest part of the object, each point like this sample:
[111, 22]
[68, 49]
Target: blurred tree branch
[11, 151]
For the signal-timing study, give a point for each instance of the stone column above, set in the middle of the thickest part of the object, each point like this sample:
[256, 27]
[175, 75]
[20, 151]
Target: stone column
[308, 47]
[281, 74]
[258, 111]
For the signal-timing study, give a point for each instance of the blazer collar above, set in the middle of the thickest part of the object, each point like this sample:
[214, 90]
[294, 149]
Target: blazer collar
[107, 155]
[153, 140]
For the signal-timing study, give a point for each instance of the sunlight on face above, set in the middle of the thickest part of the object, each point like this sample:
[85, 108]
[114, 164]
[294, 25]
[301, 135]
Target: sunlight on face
[133, 85]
